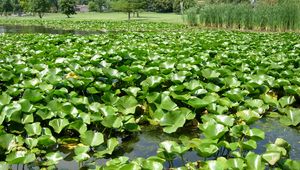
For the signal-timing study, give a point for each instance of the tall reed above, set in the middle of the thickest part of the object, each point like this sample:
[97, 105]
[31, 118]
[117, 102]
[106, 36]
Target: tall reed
[281, 16]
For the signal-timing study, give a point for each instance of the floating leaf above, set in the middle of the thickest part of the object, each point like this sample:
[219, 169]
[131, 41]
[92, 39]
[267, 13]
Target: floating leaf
[213, 130]
[92, 138]
[58, 124]
[209, 74]
[271, 157]
[167, 103]
[127, 104]
[8, 141]
[33, 129]
[254, 161]
[112, 121]
[248, 115]
[292, 117]
[235, 163]
[4, 100]
[172, 121]
[286, 100]
[32, 95]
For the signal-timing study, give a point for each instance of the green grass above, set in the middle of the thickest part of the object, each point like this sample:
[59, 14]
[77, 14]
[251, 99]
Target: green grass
[115, 16]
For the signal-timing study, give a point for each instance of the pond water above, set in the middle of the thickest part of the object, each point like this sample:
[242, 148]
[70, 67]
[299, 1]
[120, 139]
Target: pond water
[274, 129]
[145, 144]
[42, 29]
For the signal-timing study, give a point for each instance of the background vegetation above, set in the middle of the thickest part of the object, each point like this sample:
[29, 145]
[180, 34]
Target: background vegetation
[271, 15]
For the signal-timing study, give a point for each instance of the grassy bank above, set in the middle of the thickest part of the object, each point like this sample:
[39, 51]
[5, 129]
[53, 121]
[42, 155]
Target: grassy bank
[115, 16]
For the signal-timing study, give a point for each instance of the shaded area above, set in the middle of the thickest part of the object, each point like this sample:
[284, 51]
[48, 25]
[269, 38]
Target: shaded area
[42, 29]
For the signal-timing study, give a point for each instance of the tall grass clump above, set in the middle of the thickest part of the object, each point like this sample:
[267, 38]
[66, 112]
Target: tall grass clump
[280, 16]
[192, 16]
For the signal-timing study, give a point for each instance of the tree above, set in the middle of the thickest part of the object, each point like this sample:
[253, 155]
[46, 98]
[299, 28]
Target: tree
[54, 5]
[68, 7]
[40, 7]
[163, 5]
[101, 4]
[128, 6]
[7, 6]
[17, 8]
[180, 5]
[92, 6]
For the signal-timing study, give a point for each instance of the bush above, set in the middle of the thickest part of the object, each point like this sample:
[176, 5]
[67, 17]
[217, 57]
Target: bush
[93, 7]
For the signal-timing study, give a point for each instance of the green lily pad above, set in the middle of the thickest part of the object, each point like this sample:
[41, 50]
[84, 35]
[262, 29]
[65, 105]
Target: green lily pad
[209, 74]
[112, 143]
[20, 157]
[58, 124]
[172, 121]
[167, 103]
[286, 100]
[271, 157]
[4, 166]
[292, 117]
[79, 126]
[248, 115]
[256, 134]
[112, 121]
[127, 104]
[33, 129]
[254, 161]
[8, 141]
[207, 149]
[32, 95]
[4, 100]
[236, 163]
[91, 138]
[213, 130]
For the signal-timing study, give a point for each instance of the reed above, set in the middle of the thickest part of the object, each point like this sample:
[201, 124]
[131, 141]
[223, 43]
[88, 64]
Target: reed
[281, 16]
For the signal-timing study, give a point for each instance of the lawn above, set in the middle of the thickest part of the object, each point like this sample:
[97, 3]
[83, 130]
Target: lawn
[115, 16]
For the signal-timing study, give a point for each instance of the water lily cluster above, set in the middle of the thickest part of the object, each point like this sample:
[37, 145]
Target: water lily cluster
[87, 92]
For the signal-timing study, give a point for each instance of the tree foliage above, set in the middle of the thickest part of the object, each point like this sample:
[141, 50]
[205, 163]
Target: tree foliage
[67, 7]
[40, 7]
[163, 5]
[7, 6]
[128, 6]
[179, 6]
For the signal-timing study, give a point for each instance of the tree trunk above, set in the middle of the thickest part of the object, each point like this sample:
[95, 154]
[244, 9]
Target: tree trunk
[40, 15]
[129, 15]
[137, 14]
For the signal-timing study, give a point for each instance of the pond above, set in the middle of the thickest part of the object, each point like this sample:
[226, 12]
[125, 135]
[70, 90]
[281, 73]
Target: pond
[42, 29]
[145, 144]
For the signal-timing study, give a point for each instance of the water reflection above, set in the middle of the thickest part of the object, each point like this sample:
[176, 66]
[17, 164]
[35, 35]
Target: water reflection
[42, 29]
[145, 144]
[274, 129]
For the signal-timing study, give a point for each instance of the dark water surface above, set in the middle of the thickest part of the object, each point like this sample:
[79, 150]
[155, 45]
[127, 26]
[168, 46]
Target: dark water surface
[42, 29]
[145, 144]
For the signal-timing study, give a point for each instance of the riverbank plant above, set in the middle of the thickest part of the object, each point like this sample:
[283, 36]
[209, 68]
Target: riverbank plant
[281, 16]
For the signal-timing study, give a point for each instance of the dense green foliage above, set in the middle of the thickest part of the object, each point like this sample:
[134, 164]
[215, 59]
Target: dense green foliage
[128, 6]
[67, 7]
[97, 25]
[40, 7]
[91, 92]
[280, 16]
[29, 6]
